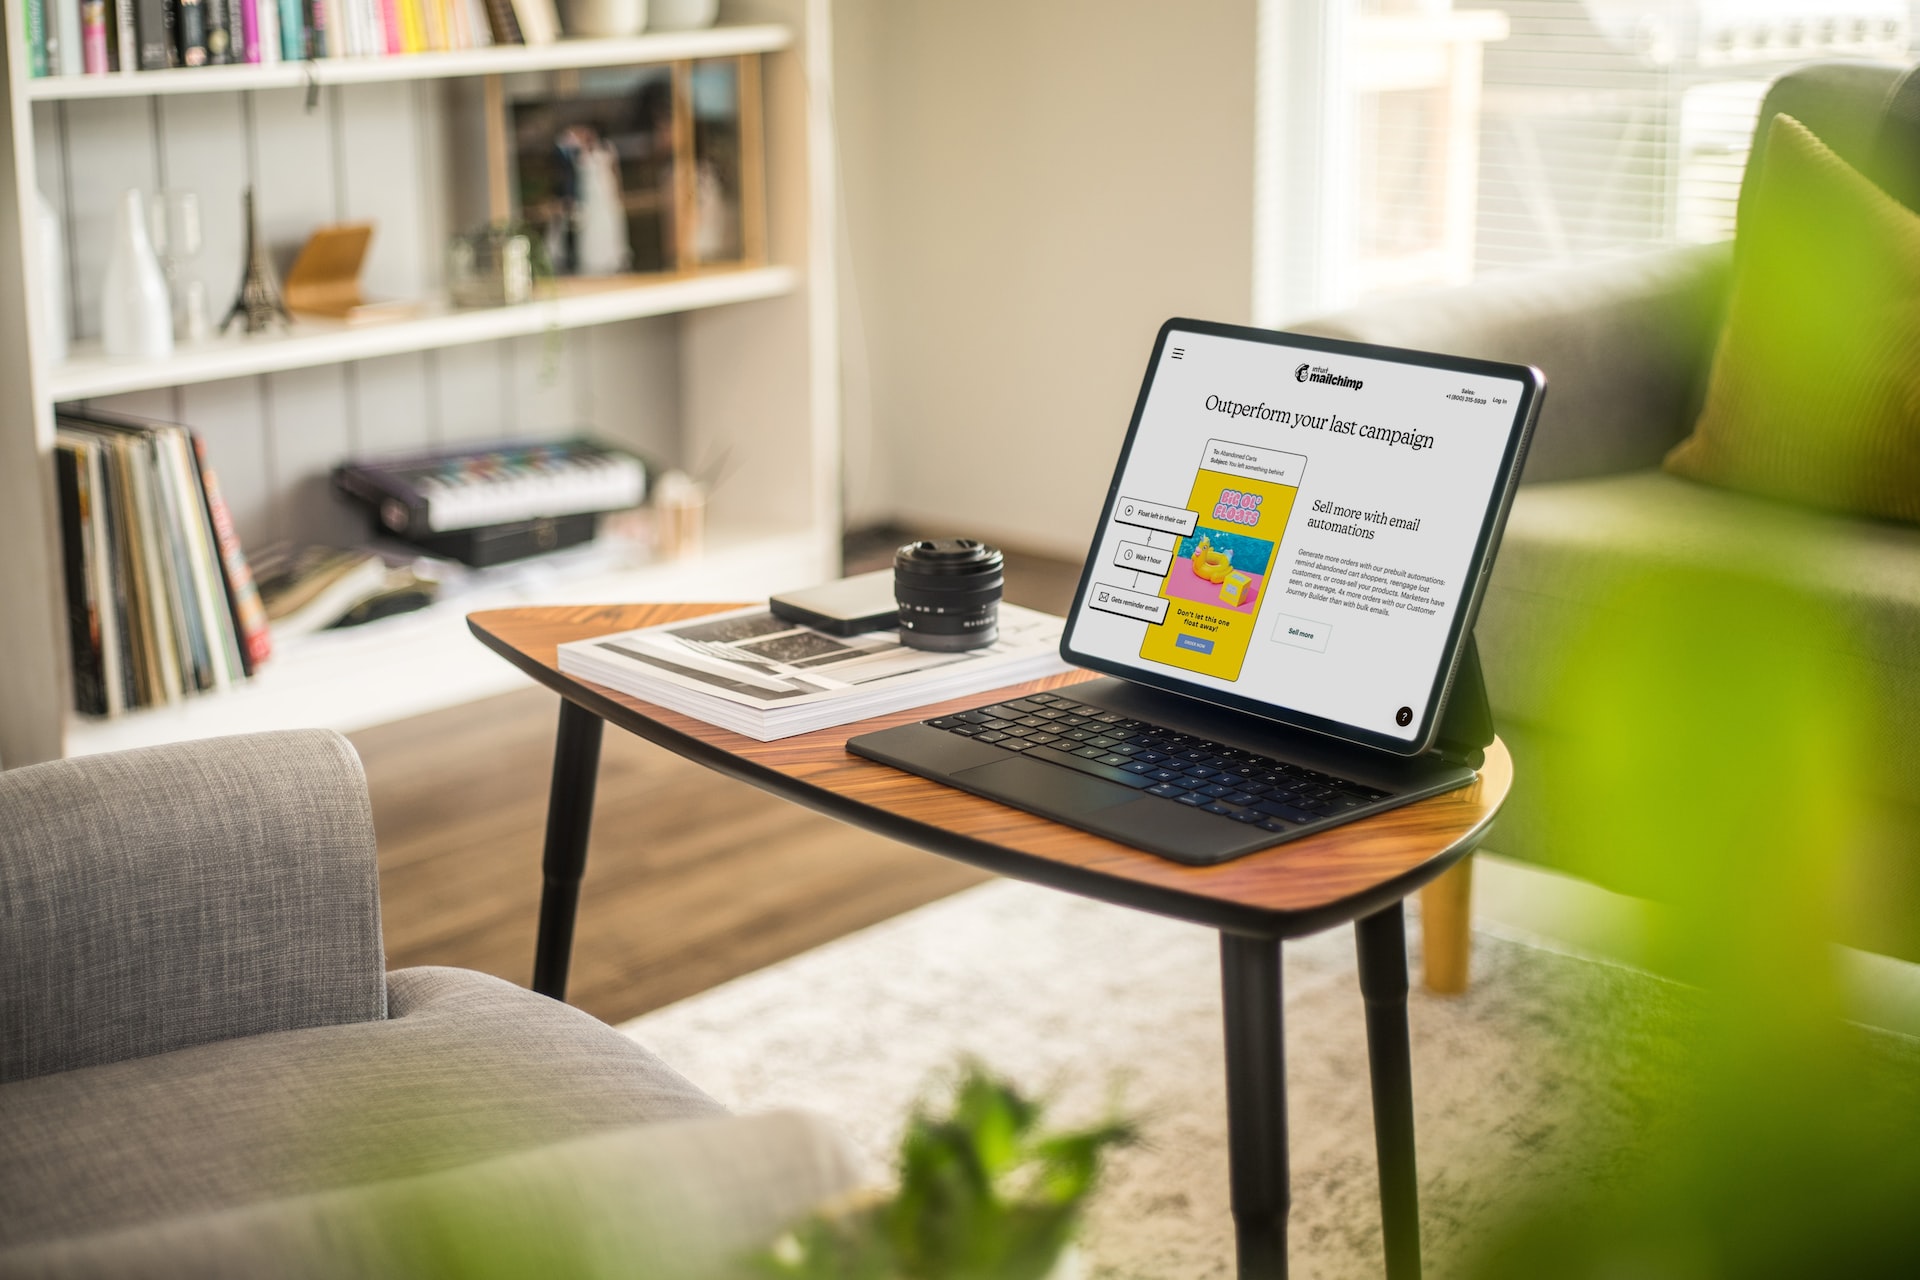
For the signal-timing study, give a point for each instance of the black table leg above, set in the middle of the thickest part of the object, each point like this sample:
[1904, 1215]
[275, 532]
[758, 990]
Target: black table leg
[1382, 939]
[1256, 1103]
[576, 767]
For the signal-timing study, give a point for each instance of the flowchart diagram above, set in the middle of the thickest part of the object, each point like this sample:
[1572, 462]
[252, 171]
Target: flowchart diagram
[1197, 574]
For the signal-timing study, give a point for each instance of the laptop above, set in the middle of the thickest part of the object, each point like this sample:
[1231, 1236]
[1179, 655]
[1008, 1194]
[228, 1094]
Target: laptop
[1279, 597]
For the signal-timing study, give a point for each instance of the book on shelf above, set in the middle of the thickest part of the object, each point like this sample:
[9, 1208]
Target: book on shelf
[309, 589]
[99, 37]
[506, 27]
[190, 30]
[266, 13]
[408, 12]
[539, 21]
[156, 591]
[221, 22]
[765, 677]
[243, 598]
[69, 58]
[125, 45]
[153, 23]
[95, 56]
[293, 30]
[36, 36]
[433, 15]
[313, 24]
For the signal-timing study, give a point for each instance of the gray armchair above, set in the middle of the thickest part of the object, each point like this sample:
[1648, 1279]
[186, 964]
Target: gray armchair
[205, 1069]
[1626, 346]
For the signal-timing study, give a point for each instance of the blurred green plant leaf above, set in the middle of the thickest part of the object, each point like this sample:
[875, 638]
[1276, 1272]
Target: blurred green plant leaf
[985, 1193]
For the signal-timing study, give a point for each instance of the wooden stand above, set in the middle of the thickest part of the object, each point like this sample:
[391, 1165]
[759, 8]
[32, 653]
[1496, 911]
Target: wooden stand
[1446, 929]
[1356, 873]
[1446, 905]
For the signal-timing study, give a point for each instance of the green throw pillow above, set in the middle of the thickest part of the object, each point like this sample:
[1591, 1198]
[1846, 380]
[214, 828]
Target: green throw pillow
[1815, 390]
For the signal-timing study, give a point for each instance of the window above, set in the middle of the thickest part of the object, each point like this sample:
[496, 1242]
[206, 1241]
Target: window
[1516, 134]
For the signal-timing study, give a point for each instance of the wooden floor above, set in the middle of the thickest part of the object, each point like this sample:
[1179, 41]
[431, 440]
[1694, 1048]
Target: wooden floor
[691, 879]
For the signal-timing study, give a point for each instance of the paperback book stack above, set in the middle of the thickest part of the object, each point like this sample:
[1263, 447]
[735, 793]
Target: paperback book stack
[100, 37]
[160, 604]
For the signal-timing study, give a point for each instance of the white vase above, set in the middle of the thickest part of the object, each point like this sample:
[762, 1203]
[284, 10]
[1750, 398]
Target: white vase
[604, 18]
[136, 315]
[683, 15]
[53, 283]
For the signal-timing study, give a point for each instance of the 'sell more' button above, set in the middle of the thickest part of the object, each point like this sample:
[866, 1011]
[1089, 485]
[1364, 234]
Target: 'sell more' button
[1303, 633]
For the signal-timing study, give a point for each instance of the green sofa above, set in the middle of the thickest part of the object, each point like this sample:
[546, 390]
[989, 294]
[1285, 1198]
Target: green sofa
[1626, 346]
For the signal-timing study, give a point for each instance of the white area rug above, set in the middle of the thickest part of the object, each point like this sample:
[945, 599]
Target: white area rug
[1070, 997]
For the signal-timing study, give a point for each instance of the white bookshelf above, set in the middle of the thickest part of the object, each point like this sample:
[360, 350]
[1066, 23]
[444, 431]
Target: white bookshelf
[563, 55]
[736, 365]
[422, 661]
[88, 374]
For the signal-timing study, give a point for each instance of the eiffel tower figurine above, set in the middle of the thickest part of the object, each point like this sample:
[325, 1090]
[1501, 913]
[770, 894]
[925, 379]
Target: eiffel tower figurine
[258, 304]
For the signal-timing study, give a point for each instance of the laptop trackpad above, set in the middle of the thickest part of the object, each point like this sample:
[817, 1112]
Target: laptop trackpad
[1044, 788]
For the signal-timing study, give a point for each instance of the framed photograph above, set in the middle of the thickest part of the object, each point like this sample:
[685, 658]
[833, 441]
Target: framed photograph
[643, 170]
[726, 222]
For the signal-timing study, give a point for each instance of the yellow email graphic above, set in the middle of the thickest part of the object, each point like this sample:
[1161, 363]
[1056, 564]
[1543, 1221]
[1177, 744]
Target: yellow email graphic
[1218, 581]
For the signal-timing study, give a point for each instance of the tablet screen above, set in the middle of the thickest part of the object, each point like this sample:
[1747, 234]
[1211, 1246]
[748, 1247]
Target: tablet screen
[1295, 528]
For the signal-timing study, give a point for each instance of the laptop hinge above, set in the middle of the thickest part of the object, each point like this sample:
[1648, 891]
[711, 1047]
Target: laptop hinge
[1466, 724]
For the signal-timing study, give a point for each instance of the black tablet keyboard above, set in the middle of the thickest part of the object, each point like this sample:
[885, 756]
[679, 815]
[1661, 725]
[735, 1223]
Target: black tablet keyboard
[1157, 761]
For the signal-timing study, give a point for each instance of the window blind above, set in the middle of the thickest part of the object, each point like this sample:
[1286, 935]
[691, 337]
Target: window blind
[1512, 135]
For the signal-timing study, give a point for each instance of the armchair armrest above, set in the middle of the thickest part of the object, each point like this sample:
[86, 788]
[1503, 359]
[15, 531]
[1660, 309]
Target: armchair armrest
[1625, 346]
[678, 1200]
[178, 895]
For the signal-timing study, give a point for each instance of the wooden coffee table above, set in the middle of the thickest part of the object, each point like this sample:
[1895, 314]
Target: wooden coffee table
[1358, 873]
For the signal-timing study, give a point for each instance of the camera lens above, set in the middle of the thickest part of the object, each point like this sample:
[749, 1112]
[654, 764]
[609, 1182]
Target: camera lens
[949, 593]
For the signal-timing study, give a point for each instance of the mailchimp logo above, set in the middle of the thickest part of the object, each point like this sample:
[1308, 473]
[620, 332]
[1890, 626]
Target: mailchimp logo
[1322, 374]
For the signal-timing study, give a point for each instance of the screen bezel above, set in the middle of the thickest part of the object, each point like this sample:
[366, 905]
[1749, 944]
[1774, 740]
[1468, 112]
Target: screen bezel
[1499, 500]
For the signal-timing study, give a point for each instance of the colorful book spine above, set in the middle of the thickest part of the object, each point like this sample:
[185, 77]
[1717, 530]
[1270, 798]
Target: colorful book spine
[94, 60]
[313, 22]
[36, 16]
[249, 617]
[249, 31]
[412, 25]
[390, 32]
[293, 31]
[83, 612]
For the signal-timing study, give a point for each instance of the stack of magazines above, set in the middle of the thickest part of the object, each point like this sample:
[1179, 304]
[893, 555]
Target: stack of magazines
[767, 678]
[160, 604]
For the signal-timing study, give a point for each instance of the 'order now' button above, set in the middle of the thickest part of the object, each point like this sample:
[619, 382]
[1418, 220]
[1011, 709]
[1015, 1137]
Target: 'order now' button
[1195, 643]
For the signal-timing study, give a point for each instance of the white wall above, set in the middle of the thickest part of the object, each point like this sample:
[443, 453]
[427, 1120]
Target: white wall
[1031, 187]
